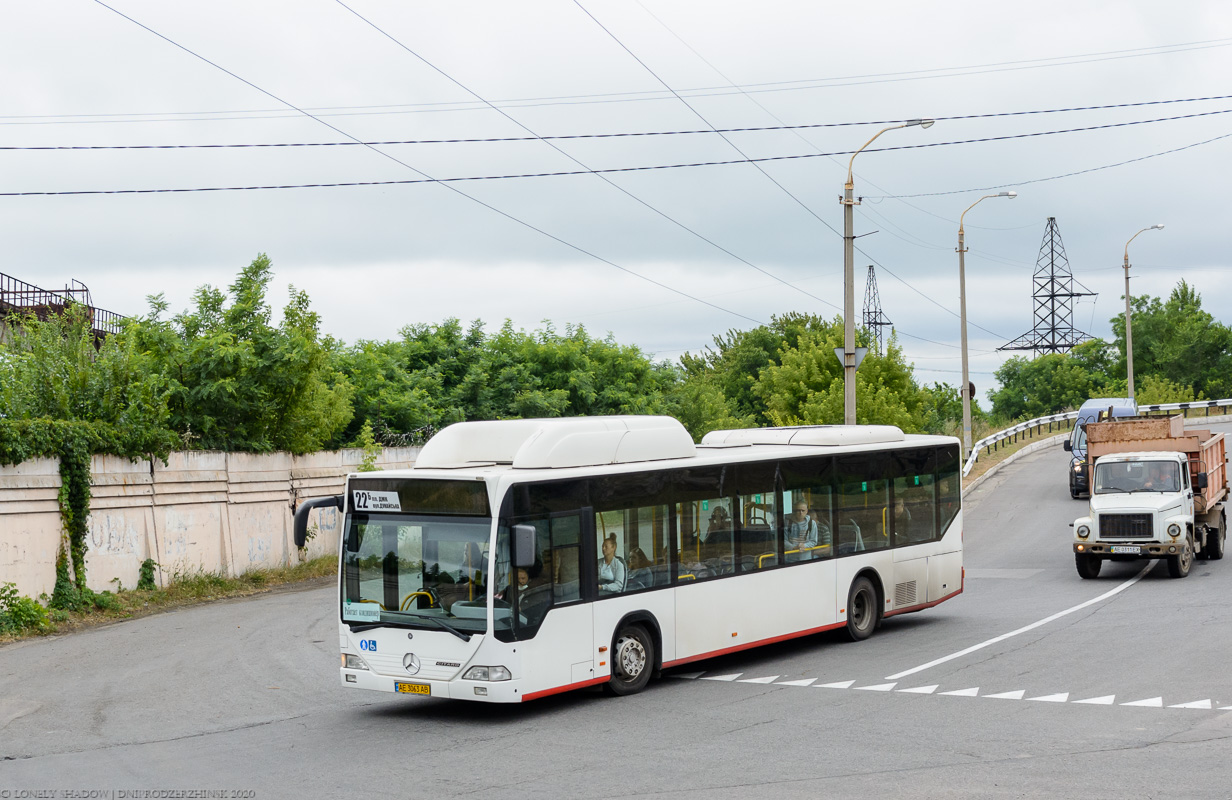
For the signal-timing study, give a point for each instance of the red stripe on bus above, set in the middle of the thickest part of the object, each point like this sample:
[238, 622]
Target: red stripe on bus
[923, 606]
[758, 643]
[566, 688]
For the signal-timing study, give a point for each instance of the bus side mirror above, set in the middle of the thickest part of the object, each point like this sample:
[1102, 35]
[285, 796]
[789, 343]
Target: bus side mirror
[1200, 480]
[1068, 446]
[524, 549]
[301, 515]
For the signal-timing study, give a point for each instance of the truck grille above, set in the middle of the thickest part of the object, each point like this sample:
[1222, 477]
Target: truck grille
[1126, 526]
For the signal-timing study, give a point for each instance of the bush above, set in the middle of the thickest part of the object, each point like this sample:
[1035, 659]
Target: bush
[20, 614]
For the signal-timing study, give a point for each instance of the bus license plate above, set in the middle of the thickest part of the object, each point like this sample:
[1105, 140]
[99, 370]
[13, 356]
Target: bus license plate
[1126, 550]
[413, 688]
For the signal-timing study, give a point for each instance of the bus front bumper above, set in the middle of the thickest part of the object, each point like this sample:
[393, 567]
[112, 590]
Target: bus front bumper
[486, 691]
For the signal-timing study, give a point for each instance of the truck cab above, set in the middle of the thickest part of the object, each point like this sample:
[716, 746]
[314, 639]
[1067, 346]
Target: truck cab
[1152, 496]
[1093, 410]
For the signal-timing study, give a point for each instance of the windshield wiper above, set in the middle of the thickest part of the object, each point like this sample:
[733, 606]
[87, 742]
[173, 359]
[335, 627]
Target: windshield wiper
[466, 637]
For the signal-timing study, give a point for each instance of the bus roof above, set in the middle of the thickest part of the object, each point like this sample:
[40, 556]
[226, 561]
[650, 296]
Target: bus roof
[556, 448]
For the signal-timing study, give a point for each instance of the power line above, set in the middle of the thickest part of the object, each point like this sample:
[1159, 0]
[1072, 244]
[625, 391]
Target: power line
[567, 155]
[612, 97]
[426, 176]
[653, 167]
[616, 135]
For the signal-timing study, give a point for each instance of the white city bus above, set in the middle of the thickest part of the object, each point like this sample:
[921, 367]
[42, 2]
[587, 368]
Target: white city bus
[522, 558]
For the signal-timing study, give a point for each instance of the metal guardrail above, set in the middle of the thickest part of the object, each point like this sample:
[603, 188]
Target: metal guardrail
[17, 296]
[1051, 419]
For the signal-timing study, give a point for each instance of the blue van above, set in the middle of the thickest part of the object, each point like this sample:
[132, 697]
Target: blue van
[1094, 409]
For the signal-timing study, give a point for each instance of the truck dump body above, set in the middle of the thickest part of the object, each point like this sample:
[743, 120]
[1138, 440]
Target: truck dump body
[1205, 450]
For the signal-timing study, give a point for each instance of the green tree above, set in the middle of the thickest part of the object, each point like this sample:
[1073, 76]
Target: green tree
[237, 381]
[807, 387]
[1177, 340]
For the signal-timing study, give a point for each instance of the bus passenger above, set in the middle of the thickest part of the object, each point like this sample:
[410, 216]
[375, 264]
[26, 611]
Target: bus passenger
[611, 568]
[801, 533]
[640, 576]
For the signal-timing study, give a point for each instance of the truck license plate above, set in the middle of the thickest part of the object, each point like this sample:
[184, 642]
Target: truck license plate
[413, 688]
[1126, 550]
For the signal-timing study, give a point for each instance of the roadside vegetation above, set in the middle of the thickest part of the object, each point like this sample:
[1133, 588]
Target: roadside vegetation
[21, 617]
[224, 375]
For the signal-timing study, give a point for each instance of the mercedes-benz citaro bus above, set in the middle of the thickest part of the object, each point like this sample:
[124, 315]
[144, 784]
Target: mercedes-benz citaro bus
[522, 558]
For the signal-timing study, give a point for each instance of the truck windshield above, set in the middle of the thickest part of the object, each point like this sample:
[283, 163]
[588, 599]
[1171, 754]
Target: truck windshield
[1137, 476]
[405, 569]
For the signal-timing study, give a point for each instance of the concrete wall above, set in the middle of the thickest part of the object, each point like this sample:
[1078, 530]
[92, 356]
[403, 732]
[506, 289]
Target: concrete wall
[203, 511]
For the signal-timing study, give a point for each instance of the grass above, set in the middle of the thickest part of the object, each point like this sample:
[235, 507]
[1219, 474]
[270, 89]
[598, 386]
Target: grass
[184, 589]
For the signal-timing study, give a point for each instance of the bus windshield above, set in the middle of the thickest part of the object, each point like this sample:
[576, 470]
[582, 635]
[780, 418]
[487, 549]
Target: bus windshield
[414, 570]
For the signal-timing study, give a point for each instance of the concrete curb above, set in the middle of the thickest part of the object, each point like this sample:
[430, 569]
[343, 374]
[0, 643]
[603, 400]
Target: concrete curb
[1190, 422]
[1035, 447]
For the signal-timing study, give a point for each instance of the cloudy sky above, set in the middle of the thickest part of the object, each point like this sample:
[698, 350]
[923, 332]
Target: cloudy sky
[661, 258]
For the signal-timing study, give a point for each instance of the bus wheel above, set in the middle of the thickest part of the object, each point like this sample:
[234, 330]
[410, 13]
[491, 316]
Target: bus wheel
[861, 609]
[1088, 566]
[632, 661]
[1178, 565]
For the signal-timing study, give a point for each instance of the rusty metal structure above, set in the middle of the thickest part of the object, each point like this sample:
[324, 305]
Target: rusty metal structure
[19, 298]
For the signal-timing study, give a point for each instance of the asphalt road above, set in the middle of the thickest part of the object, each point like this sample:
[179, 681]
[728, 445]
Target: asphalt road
[243, 698]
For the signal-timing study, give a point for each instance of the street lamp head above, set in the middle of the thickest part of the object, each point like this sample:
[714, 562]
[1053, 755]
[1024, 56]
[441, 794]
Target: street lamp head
[923, 123]
[1011, 195]
[1159, 227]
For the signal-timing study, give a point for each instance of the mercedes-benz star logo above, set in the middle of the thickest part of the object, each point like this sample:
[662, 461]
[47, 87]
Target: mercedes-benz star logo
[411, 662]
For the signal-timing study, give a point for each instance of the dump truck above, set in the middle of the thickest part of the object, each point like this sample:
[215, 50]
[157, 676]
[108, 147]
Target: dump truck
[1157, 492]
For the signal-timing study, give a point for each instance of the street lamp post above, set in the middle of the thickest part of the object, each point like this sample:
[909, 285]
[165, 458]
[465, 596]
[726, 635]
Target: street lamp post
[1129, 340]
[962, 315]
[849, 283]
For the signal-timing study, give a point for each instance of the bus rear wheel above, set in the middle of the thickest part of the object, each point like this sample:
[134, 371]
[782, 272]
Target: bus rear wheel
[633, 659]
[862, 610]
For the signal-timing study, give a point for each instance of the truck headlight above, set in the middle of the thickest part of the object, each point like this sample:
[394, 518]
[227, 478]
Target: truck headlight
[1174, 530]
[353, 662]
[1083, 531]
[486, 674]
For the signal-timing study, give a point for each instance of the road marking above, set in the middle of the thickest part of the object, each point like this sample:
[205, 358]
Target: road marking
[1205, 704]
[1106, 700]
[1011, 574]
[974, 691]
[1150, 702]
[1025, 628]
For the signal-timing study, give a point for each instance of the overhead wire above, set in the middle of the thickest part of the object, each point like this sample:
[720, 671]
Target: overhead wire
[575, 160]
[454, 189]
[612, 135]
[715, 91]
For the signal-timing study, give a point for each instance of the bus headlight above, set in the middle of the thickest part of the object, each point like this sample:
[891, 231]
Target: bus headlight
[353, 662]
[1083, 531]
[1174, 530]
[486, 674]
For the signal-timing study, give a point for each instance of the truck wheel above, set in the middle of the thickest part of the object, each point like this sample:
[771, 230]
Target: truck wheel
[1178, 565]
[862, 609]
[1088, 566]
[1215, 539]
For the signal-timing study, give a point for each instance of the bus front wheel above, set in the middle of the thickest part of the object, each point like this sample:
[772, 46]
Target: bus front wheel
[862, 610]
[633, 660]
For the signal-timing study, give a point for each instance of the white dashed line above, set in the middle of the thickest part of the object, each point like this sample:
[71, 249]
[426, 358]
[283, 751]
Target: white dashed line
[1015, 695]
[881, 687]
[1051, 698]
[805, 682]
[839, 685]
[921, 689]
[1150, 702]
[771, 679]
[972, 692]
[731, 677]
[1106, 700]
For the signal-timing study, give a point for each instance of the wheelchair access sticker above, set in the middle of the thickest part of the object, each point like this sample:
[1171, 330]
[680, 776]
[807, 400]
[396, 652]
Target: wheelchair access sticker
[375, 501]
